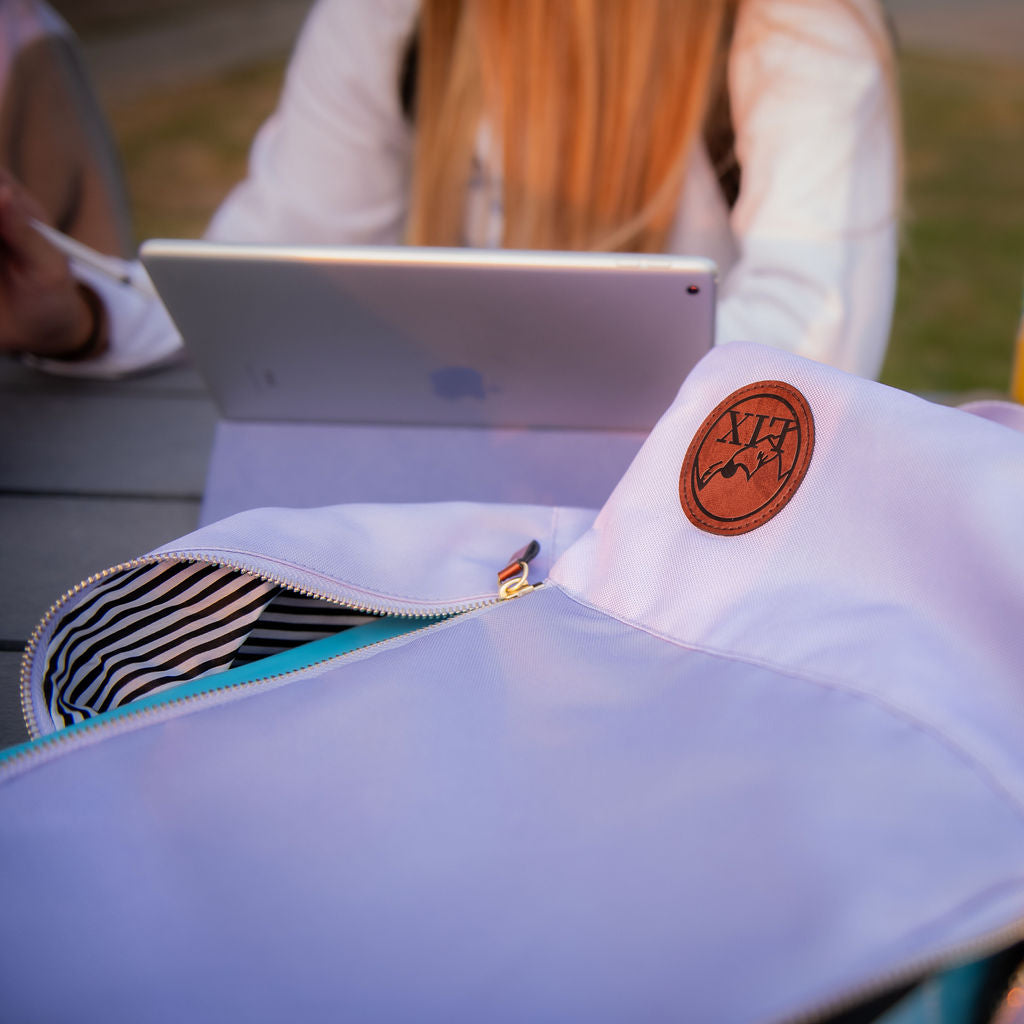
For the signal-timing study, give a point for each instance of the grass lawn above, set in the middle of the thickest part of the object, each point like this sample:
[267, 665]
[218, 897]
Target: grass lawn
[183, 149]
[962, 267]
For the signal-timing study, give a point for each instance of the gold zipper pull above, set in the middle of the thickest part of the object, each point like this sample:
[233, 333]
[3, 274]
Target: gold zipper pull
[512, 579]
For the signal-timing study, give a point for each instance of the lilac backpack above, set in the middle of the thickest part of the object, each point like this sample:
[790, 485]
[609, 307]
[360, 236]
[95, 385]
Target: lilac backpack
[747, 746]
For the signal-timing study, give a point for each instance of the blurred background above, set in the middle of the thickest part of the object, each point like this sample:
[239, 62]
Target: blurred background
[186, 83]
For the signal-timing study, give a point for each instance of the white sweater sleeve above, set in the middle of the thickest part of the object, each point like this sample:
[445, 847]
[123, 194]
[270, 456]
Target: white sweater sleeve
[816, 215]
[332, 164]
[142, 335]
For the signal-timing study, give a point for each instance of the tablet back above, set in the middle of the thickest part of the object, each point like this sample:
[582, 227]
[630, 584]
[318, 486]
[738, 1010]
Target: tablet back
[408, 336]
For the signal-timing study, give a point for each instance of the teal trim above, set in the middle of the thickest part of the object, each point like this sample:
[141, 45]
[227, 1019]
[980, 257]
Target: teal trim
[947, 998]
[305, 656]
[386, 628]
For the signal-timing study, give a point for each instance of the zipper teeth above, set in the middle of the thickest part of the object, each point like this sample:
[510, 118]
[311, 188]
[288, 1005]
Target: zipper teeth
[186, 557]
[974, 949]
[127, 715]
[964, 953]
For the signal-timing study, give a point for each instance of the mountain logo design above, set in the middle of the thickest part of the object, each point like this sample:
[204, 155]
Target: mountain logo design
[747, 459]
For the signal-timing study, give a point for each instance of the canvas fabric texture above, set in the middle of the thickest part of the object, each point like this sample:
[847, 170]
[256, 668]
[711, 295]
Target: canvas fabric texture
[752, 776]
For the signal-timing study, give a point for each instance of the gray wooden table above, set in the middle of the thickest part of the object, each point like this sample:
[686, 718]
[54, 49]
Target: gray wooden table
[91, 474]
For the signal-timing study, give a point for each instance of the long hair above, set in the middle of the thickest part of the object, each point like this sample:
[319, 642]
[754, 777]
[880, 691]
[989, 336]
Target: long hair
[592, 108]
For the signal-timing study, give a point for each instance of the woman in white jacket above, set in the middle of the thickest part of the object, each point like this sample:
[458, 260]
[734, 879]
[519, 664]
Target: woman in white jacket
[760, 133]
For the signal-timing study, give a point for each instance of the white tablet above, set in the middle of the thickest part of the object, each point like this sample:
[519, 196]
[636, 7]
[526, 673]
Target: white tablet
[408, 336]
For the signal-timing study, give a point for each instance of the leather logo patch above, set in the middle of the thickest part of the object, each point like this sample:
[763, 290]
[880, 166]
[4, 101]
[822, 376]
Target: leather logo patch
[747, 459]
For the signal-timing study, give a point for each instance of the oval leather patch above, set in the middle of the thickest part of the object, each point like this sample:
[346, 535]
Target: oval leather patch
[747, 459]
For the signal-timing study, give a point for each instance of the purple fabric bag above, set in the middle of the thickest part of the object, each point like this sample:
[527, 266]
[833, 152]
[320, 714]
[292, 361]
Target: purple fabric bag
[752, 752]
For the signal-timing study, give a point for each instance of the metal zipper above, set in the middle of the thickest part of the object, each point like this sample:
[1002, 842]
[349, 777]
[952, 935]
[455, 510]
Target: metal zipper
[511, 584]
[512, 579]
[128, 714]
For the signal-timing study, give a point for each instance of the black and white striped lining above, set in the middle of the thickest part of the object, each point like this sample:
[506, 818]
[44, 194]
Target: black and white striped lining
[146, 630]
[290, 620]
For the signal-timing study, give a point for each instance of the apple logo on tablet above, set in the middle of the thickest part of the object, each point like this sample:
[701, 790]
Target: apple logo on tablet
[453, 382]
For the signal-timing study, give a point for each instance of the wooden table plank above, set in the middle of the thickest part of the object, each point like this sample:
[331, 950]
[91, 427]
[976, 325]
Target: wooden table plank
[92, 473]
[12, 726]
[50, 544]
[130, 443]
[180, 379]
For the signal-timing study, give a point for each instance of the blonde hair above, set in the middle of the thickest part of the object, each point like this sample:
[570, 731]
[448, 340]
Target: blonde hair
[593, 105]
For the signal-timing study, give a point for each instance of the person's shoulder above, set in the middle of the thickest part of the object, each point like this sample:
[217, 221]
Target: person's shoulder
[380, 15]
[812, 9]
[810, 19]
[25, 22]
[829, 30]
[32, 18]
[359, 34]
[38, 53]
[353, 40]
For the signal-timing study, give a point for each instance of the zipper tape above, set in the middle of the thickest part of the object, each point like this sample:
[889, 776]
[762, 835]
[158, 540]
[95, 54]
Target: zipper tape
[382, 605]
[307, 656]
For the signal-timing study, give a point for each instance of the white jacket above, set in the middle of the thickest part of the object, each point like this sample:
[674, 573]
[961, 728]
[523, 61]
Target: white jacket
[807, 256]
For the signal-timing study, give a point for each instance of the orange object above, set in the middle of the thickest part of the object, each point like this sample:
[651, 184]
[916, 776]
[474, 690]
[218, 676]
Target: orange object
[1017, 376]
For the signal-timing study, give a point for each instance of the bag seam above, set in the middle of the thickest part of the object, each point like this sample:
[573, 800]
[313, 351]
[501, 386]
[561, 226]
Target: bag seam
[896, 710]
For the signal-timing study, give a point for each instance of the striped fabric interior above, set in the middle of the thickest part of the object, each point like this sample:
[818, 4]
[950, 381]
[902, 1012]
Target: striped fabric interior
[290, 620]
[149, 629]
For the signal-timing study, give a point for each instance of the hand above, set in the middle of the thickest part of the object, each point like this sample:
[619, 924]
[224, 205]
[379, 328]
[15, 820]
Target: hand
[43, 310]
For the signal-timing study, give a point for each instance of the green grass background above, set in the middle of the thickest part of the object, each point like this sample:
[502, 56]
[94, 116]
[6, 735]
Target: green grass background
[962, 263]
